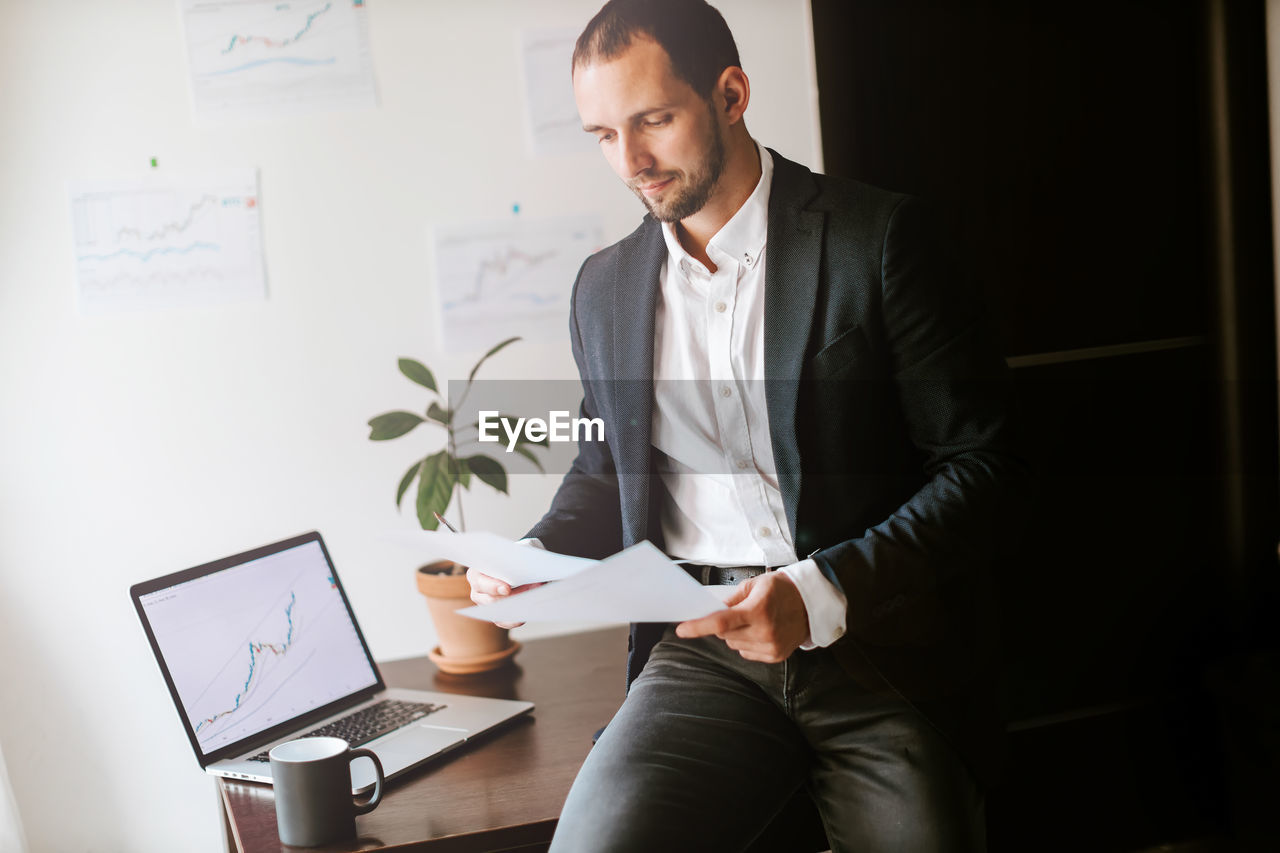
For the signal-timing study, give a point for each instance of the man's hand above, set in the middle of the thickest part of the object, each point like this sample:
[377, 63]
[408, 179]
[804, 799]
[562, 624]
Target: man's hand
[766, 620]
[486, 589]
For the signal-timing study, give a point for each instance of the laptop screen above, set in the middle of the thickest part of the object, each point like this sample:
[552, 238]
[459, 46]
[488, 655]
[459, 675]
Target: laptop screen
[256, 643]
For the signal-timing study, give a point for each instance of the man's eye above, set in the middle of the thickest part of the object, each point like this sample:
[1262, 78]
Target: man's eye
[657, 122]
[604, 137]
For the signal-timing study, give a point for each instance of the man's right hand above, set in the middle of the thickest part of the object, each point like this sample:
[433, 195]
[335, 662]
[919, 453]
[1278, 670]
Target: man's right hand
[486, 589]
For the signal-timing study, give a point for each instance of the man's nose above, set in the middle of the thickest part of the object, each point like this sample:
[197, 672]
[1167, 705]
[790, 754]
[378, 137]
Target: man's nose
[634, 156]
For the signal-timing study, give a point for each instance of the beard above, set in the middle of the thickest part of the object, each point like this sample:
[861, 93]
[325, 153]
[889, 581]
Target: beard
[691, 190]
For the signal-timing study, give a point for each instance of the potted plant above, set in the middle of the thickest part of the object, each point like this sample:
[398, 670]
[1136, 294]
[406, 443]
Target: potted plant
[466, 645]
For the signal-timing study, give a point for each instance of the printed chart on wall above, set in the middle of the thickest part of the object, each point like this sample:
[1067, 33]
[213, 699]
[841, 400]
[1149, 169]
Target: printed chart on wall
[160, 242]
[253, 646]
[256, 58]
[500, 279]
[552, 125]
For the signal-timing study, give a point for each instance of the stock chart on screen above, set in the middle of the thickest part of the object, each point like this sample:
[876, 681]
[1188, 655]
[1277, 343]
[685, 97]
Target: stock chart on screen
[258, 644]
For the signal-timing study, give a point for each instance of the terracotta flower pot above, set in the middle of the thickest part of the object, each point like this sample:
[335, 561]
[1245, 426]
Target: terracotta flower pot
[466, 645]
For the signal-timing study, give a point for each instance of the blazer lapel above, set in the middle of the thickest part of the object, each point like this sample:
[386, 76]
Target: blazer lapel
[635, 289]
[791, 287]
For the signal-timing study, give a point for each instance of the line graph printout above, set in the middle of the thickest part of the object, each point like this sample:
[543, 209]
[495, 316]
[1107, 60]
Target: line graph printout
[258, 644]
[551, 115]
[158, 242]
[268, 57]
[500, 279]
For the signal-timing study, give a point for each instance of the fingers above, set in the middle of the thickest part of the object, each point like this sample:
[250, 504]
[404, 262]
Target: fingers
[740, 592]
[763, 657]
[722, 622]
[719, 624]
[762, 622]
[486, 585]
[486, 589]
[758, 650]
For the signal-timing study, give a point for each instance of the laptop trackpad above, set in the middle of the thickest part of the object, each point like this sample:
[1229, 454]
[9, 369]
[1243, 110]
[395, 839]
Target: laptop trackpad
[403, 749]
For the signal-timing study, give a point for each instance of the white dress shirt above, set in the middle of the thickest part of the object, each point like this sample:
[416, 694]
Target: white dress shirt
[710, 428]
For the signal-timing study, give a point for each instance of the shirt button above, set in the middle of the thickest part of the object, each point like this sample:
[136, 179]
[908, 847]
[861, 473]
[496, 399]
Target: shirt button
[764, 531]
[747, 257]
[726, 392]
[742, 464]
[720, 307]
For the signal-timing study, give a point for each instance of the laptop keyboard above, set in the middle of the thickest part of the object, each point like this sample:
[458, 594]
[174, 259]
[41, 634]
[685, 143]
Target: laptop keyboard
[372, 722]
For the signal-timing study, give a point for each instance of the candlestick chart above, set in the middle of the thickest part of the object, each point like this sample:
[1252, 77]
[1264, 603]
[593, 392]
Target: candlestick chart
[258, 654]
[257, 645]
[167, 241]
[259, 57]
[499, 279]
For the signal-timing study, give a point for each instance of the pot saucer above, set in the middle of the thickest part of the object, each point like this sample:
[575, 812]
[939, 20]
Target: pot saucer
[477, 663]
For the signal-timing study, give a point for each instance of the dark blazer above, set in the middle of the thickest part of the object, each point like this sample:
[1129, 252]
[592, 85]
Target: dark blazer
[889, 420]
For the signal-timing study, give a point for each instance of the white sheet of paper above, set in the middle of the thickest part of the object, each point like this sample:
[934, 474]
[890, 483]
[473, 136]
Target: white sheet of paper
[263, 58]
[160, 241]
[501, 558]
[504, 277]
[639, 584]
[551, 114]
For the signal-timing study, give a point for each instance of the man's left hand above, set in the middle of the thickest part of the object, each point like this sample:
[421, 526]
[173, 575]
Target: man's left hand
[766, 620]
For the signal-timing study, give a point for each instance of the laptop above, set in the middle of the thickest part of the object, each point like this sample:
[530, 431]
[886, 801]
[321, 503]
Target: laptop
[263, 647]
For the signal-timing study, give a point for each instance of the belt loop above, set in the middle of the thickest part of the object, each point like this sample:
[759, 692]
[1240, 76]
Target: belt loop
[705, 572]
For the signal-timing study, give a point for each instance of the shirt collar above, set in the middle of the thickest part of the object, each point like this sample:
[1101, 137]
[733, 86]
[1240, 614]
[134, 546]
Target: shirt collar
[743, 237]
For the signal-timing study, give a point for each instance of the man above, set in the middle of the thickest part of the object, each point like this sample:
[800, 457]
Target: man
[842, 420]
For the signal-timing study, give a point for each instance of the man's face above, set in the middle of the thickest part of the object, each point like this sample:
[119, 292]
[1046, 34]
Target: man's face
[661, 138]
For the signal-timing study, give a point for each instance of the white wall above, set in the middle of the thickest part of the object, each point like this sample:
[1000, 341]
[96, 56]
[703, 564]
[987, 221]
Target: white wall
[137, 444]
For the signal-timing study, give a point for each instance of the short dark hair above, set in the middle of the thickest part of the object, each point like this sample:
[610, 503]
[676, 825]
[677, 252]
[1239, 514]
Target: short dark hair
[692, 32]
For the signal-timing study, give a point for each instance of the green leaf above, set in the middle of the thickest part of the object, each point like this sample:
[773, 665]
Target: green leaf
[528, 454]
[485, 357]
[404, 483]
[490, 471]
[418, 372]
[435, 489]
[392, 425]
[439, 415]
[462, 471]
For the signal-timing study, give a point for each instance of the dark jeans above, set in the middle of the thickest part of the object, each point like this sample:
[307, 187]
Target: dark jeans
[708, 747]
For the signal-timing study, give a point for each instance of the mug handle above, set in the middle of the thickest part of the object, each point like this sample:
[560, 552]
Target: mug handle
[372, 803]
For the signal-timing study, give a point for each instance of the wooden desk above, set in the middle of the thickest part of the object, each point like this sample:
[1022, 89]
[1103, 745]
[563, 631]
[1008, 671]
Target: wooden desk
[503, 792]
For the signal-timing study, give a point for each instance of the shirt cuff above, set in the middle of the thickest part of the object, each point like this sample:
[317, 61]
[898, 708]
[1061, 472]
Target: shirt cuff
[532, 542]
[823, 601]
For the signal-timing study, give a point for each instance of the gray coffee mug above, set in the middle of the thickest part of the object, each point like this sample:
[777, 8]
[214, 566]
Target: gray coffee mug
[312, 780]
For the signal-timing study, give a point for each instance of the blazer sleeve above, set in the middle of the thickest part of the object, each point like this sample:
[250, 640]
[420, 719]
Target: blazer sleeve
[955, 394]
[585, 516]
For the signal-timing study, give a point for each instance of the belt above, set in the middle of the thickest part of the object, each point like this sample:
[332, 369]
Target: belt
[722, 575]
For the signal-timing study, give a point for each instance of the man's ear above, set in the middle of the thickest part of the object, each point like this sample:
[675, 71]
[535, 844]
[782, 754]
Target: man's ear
[735, 93]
